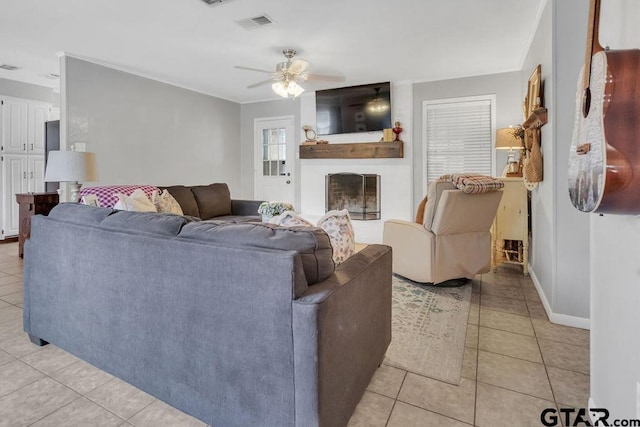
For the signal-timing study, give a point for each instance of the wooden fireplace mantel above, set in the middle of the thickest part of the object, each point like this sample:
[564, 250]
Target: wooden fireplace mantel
[354, 150]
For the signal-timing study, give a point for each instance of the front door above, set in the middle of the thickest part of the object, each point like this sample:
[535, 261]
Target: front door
[274, 154]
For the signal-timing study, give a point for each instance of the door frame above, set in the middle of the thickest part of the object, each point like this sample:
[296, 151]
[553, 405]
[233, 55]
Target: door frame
[257, 152]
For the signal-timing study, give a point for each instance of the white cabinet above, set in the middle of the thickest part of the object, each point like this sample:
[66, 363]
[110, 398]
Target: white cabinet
[14, 177]
[35, 174]
[14, 125]
[22, 154]
[510, 236]
[37, 114]
[20, 174]
[23, 125]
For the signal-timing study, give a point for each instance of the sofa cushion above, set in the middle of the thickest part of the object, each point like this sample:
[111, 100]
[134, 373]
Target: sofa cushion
[185, 198]
[312, 244]
[213, 200]
[75, 213]
[146, 222]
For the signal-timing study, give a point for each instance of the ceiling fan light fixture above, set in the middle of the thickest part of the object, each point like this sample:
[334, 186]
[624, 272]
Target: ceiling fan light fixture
[286, 89]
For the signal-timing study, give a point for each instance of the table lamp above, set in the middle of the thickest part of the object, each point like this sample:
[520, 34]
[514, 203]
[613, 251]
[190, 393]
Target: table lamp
[510, 139]
[73, 167]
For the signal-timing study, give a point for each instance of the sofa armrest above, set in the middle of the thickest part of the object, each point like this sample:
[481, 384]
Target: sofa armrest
[245, 207]
[342, 328]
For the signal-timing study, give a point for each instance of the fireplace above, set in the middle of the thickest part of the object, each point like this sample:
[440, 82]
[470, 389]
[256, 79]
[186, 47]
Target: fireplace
[355, 192]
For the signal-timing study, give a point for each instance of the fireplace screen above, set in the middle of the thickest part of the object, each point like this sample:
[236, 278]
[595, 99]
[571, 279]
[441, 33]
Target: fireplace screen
[357, 193]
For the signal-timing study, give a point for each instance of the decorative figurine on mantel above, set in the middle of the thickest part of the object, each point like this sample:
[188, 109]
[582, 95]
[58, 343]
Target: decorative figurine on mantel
[397, 130]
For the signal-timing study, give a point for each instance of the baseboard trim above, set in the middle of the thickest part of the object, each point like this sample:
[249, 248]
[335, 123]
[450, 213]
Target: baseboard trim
[592, 404]
[560, 319]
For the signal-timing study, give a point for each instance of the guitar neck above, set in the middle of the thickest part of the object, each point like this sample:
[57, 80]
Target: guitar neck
[593, 42]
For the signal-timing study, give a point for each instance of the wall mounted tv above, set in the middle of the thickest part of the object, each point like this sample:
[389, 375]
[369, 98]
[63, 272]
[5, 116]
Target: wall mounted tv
[363, 108]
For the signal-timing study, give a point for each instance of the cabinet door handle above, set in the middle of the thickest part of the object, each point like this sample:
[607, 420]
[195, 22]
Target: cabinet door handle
[24, 147]
[24, 175]
[31, 147]
[31, 175]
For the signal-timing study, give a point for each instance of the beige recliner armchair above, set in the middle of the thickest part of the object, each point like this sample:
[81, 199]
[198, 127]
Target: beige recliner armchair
[454, 240]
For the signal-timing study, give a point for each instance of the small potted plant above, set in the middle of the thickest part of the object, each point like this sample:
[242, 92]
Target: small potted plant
[271, 209]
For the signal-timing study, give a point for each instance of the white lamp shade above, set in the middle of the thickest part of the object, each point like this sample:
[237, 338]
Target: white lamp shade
[71, 166]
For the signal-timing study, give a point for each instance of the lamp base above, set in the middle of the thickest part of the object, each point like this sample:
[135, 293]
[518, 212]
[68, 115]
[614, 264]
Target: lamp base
[74, 192]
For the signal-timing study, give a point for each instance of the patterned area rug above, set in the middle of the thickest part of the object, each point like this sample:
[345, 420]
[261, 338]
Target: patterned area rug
[429, 329]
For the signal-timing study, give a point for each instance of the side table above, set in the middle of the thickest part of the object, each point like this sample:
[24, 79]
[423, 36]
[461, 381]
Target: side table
[31, 204]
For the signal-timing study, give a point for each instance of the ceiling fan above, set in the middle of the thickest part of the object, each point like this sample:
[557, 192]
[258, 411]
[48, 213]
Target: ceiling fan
[289, 74]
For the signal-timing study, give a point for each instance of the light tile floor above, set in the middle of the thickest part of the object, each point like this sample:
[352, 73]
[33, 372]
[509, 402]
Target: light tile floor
[516, 364]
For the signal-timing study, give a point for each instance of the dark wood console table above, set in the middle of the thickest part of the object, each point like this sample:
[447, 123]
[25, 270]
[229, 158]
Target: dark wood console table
[31, 204]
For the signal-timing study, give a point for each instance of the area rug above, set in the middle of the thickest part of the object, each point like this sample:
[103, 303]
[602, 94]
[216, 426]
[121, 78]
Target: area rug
[429, 329]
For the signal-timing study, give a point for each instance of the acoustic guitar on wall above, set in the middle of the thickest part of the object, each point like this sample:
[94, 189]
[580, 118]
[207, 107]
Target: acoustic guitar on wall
[604, 159]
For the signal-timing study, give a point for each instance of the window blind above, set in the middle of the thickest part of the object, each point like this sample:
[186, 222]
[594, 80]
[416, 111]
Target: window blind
[458, 138]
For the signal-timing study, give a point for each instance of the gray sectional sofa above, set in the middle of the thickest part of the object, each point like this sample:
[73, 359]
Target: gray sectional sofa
[213, 201]
[237, 324]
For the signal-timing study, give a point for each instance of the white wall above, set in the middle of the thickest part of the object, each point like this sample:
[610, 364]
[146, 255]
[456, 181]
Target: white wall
[615, 268]
[147, 132]
[395, 174]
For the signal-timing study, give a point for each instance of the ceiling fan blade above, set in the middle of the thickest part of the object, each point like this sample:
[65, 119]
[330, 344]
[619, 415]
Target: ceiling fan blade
[298, 66]
[240, 67]
[264, 82]
[326, 78]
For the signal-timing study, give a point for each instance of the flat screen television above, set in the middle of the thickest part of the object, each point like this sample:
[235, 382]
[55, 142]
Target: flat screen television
[363, 108]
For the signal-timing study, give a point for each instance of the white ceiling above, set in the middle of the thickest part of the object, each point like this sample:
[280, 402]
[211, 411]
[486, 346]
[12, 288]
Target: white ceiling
[193, 45]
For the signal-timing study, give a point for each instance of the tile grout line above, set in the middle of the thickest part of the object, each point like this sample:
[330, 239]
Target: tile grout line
[475, 395]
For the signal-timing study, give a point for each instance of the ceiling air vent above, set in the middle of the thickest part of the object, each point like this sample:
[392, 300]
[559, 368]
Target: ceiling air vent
[215, 2]
[256, 22]
[9, 67]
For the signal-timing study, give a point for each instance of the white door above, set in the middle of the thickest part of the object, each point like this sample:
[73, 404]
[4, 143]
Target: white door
[14, 179]
[14, 125]
[38, 113]
[35, 176]
[274, 154]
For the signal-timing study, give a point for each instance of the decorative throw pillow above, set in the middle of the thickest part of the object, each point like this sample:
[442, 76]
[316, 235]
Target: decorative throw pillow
[136, 202]
[166, 203]
[337, 224]
[290, 219]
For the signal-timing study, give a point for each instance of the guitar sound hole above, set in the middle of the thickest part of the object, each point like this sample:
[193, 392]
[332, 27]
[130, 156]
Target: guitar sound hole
[586, 102]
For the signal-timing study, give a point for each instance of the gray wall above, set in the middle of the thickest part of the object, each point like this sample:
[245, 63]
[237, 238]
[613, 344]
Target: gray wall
[258, 110]
[28, 91]
[147, 132]
[560, 234]
[506, 87]
[615, 268]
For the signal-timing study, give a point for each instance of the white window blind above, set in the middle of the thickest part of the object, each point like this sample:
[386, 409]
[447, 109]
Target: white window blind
[458, 137]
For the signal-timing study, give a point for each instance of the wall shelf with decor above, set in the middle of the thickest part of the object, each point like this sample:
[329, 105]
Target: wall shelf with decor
[536, 119]
[355, 150]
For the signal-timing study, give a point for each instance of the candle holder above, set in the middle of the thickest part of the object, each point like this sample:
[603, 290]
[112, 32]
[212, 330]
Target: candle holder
[397, 130]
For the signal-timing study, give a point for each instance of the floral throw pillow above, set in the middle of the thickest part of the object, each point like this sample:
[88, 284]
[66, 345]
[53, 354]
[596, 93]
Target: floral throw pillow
[337, 224]
[166, 203]
[290, 219]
